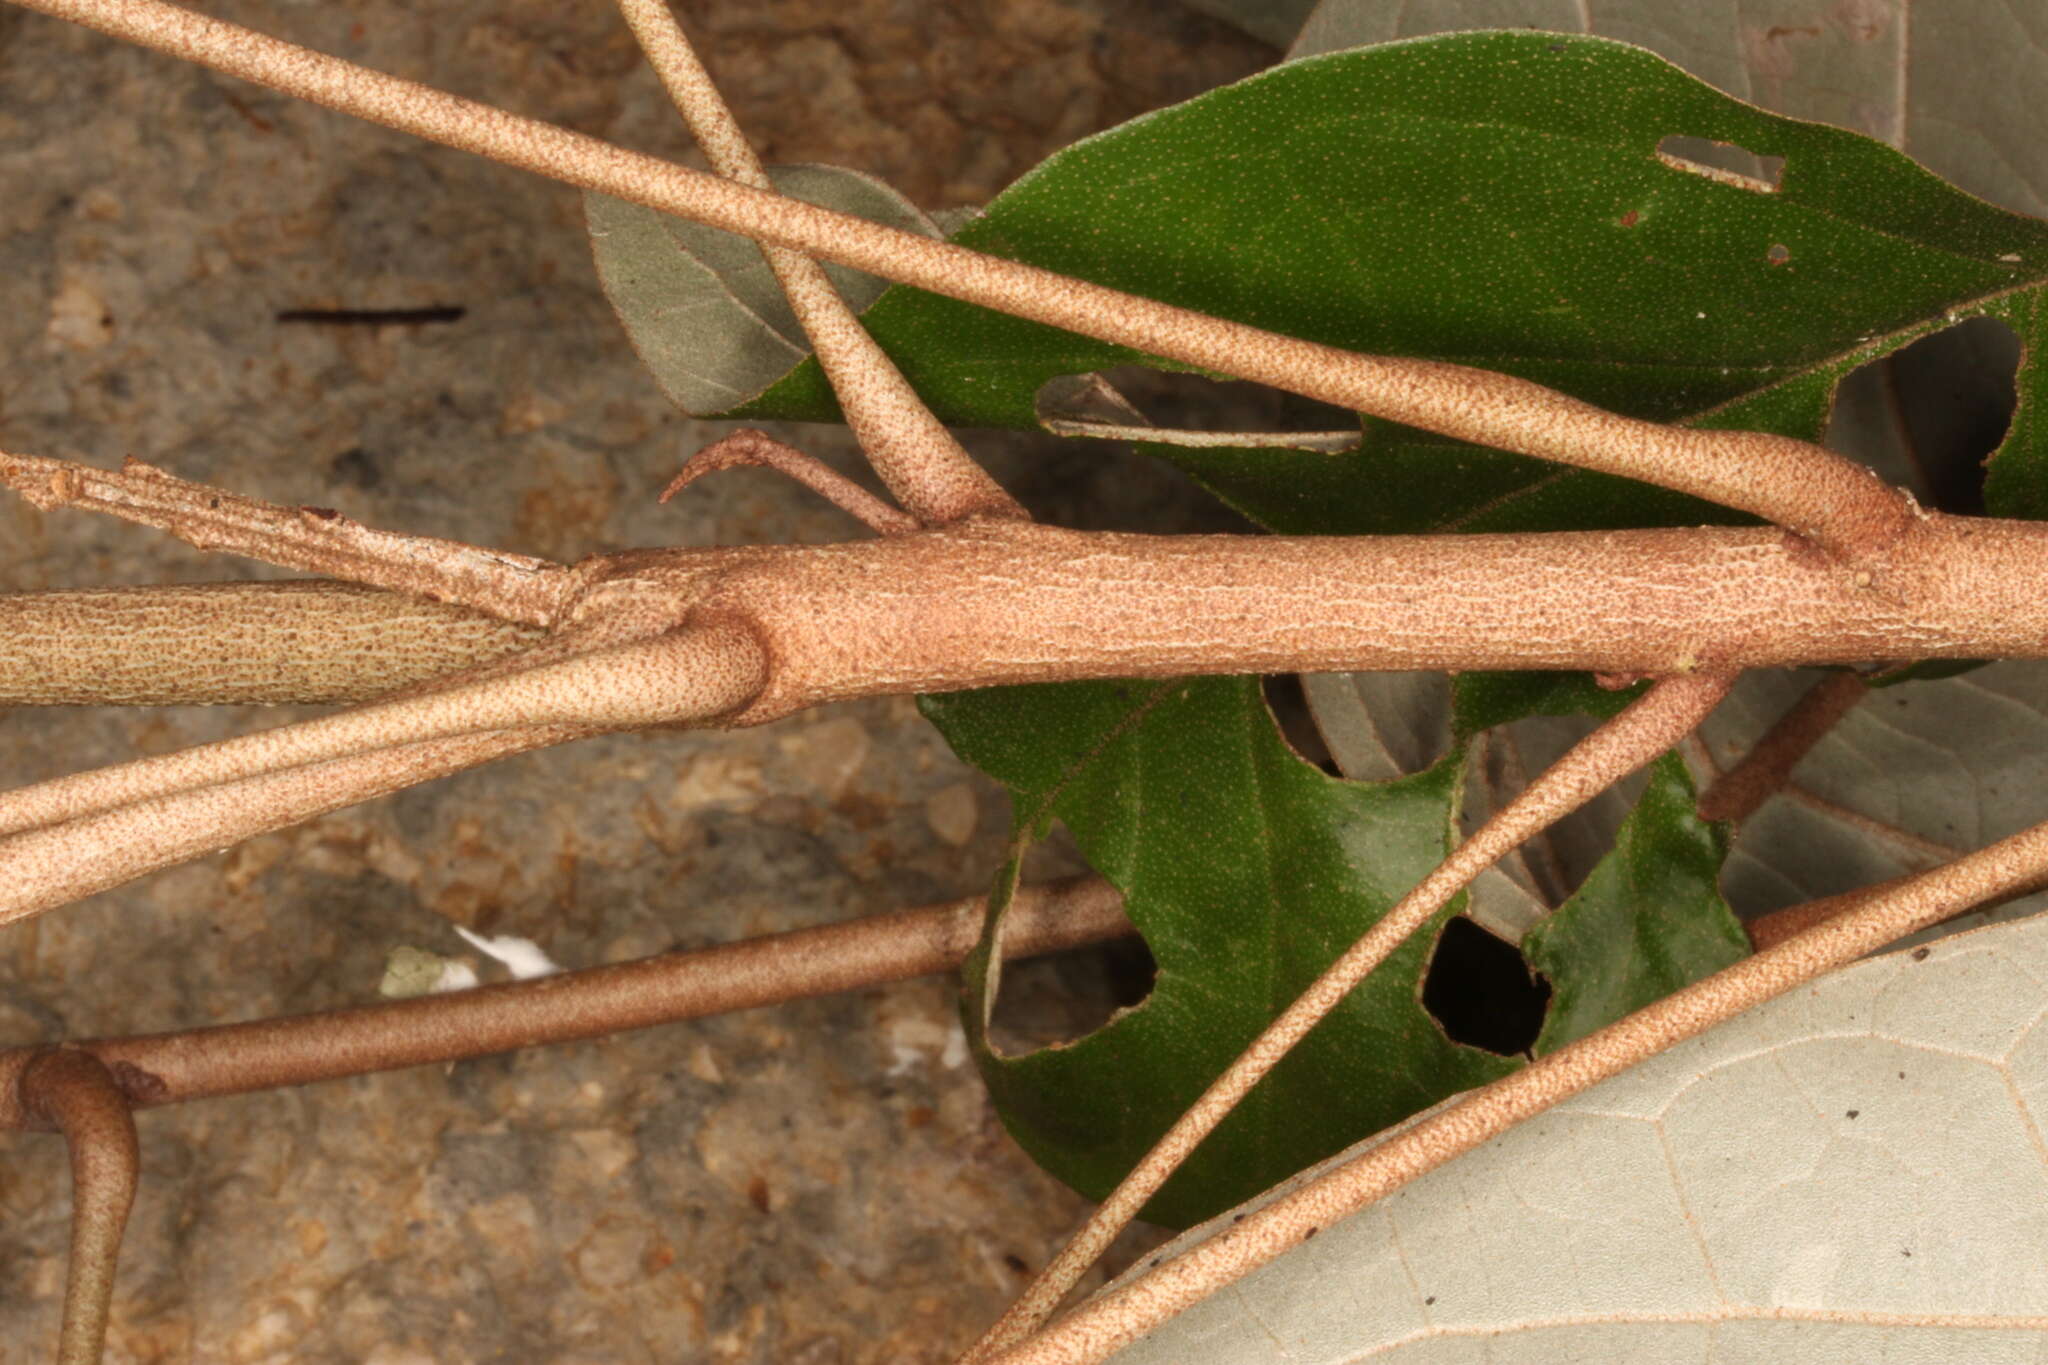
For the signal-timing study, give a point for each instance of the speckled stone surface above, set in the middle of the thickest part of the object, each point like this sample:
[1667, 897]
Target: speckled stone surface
[819, 1183]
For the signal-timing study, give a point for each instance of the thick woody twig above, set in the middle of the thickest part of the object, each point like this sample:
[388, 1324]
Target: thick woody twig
[74, 1093]
[1103, 1325]
[170, 1068]
[1662, 717]
[910, 448]
[987, 603]
[1811, 491]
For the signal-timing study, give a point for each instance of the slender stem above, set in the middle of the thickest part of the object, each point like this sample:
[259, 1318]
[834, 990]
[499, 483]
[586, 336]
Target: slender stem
[1647, 728]
[75, 1093]
[315, 539]
[231, 1059]
[57, 864]
[1811, 491]
[1768, 931]
[85, 833]
[929, 471]
[757, 448]
[1103, 1325]
[683, 676]
[220, 643]
[1767, 767]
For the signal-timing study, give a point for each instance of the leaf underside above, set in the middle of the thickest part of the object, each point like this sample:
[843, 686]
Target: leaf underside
[1852, 1171]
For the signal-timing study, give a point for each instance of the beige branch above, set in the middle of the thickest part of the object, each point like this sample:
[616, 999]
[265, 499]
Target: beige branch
[73, 836]
[1647, 728]
[1103, 1325]
[316, 539]
[911, 449]
[1797, 484]
[223, 643]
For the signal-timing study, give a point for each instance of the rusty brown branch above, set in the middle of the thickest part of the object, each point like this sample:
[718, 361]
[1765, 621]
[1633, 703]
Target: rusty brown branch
[76, 1094]
[168, 1068]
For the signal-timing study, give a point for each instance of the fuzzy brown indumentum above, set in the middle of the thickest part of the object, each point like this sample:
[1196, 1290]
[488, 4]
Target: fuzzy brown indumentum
[459, 654]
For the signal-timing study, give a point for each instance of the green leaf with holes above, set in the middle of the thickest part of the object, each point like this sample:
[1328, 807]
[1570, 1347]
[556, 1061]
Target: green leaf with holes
[1649, 919]
[1505, 200]
[1247, 870]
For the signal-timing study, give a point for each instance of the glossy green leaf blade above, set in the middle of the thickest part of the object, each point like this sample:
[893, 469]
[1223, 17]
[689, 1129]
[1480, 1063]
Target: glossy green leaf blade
[1649, 920]
[1494, 198]
[1247, 871]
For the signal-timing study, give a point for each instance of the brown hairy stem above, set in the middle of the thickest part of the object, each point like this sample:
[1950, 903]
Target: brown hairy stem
[993, 602]
[1767, 767]
[230, 1059]
[1768, 931]
[983, 604]
[1811, 491]
[1103, 1325]
[75, 1093]
[1663, 716]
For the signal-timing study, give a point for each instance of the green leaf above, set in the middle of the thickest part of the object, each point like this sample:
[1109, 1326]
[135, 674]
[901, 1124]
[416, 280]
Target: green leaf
[1247, 871]
[1495, 199]
[1649, 920]
[1910, 77]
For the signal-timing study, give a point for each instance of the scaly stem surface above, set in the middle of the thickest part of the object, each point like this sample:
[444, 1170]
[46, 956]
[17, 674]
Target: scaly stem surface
[235, 643]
